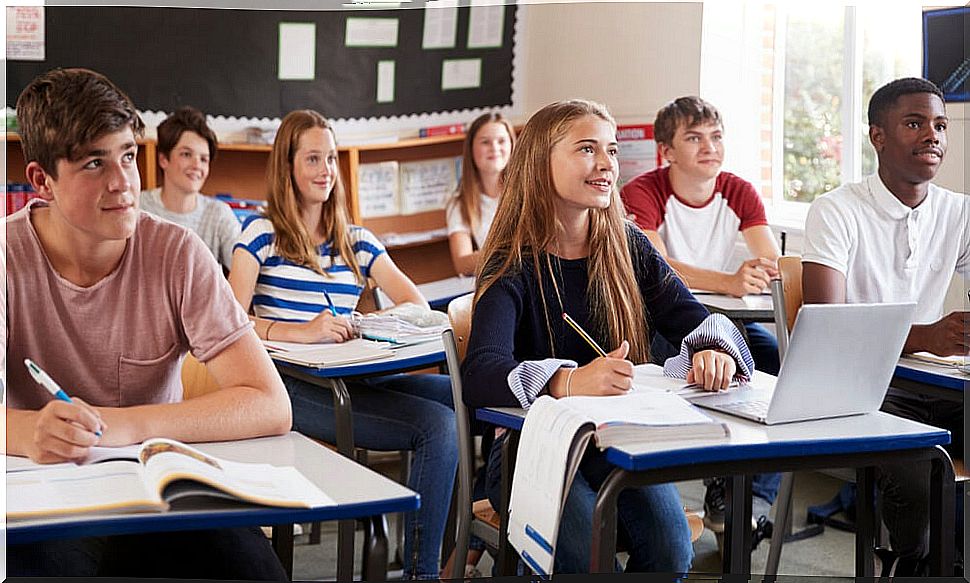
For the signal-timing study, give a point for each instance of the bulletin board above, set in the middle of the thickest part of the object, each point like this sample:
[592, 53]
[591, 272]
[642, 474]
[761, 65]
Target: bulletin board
[226, 62]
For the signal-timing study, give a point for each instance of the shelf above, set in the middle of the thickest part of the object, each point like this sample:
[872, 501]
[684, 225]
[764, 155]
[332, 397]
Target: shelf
[416, 244]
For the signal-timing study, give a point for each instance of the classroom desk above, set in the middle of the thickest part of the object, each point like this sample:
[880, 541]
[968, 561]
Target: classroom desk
[750, 308]
[926, 378]
[406, 358]
[857, 441]
[438, 293]
[359, 493]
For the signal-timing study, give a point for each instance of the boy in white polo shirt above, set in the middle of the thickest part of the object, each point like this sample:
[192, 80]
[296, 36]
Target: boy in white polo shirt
[692, 213]
[897, 237]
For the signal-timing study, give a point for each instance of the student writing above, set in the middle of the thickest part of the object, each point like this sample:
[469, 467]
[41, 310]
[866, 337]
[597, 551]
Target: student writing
[108, 299]
[290, 266]
[559, 244]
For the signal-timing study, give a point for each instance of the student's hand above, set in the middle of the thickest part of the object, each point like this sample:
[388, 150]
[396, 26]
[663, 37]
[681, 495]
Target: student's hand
[712, 370]
[607, 375]
[327, 328]
[752, 277]
[948, 336]
[64, 432]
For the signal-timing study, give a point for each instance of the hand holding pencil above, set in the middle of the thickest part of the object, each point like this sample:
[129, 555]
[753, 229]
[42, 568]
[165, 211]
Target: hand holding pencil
[610, 374]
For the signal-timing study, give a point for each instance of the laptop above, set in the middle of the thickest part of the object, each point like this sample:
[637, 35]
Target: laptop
[839, 362]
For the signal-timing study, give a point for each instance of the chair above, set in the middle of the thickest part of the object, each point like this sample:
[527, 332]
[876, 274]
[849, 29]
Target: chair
[469, 517]
[196, 380]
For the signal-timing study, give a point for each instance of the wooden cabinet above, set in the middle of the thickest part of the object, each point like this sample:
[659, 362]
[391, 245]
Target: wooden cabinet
[240, 170]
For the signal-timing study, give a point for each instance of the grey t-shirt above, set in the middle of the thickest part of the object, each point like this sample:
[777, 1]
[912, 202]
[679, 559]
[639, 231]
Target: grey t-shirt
[212, 220]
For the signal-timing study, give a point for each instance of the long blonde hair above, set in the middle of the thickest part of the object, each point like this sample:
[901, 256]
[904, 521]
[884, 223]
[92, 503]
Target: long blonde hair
[293, 241]
[470, 187]
[526, 226]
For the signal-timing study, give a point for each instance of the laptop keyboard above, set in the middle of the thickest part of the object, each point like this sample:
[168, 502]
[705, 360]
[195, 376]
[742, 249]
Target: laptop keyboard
[757, 409]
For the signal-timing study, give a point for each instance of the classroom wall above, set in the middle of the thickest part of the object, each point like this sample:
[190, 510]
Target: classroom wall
[631, 56]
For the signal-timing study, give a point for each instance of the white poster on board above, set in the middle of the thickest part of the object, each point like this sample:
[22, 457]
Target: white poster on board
[427, 184]
[25, 33]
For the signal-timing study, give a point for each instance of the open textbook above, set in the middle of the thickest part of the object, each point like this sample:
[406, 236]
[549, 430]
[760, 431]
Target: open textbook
[164, 474]
[556, 428]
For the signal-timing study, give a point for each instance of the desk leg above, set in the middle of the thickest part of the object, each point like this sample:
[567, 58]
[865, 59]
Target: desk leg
[374, 561]
[602, 558]
[942, 497]
[507, 557]
[865, 521]
[283, 546]
[344, 425]
[737, 525]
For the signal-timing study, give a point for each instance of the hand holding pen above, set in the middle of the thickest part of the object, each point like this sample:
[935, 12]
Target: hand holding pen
[610, 374]
[65, 428]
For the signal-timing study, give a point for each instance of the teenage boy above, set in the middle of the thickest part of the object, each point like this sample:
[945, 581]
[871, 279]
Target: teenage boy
[108, 299]
[896, 237]
[186, 147]
[692, 211]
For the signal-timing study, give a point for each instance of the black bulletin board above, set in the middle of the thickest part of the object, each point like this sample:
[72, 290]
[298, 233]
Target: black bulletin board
[225, 61]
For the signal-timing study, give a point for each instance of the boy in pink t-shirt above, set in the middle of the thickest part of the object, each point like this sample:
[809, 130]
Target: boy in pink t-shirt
[108, 300]
[692, 212]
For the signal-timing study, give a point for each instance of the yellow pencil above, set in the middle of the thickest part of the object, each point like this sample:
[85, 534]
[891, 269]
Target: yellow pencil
[579, 330]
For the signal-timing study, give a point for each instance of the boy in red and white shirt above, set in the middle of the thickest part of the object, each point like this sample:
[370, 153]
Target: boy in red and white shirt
[692, 213]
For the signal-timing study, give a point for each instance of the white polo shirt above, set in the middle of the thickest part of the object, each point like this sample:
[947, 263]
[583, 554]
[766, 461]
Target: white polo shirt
[887, 251]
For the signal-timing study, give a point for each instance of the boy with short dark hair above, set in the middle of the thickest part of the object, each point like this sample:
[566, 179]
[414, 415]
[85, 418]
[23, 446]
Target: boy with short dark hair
[186, 148]
[692, 212]
[897, 237]
[108, 300]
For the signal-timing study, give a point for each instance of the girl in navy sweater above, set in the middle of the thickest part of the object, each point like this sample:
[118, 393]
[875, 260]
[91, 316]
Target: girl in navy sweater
[559, 244]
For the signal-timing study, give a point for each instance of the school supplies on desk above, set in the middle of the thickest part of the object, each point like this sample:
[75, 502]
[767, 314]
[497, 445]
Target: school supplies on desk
[166, 474]
[554, 428]
[403, 324]
[327, 355]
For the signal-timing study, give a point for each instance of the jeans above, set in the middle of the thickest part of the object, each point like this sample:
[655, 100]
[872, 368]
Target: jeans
[651, 519]
[409, 412]
[905, 488]
[764, 350]
[229, 554]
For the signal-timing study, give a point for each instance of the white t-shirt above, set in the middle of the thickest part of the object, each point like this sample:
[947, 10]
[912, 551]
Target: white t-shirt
[212, 220]
[887, 251]
[456, 224]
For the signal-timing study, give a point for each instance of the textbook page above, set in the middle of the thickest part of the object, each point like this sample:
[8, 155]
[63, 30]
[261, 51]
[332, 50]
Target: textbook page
[117, 486]
[541, 482]
[323, 355]
[654, 409]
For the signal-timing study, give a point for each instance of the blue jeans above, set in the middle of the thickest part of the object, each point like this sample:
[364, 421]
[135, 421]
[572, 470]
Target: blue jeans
[651, 519]
[410, 412]
[764, 350]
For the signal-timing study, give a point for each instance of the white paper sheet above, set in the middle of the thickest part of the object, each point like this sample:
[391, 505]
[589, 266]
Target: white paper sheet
[427, 184]
[485, 26]
[297, 52]
[377, 190]
[461, 74]
[371, 32]
[440, 24]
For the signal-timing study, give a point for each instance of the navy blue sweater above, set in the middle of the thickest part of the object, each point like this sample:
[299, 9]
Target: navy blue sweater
[508, 325]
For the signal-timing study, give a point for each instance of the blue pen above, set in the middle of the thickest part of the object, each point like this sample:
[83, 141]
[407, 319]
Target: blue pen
[333, 310]
[44, 380]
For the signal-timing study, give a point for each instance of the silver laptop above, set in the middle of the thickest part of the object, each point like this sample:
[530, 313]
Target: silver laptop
[839, 362]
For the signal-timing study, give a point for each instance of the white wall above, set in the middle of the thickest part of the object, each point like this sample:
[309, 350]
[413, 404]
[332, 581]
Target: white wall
[634, 57]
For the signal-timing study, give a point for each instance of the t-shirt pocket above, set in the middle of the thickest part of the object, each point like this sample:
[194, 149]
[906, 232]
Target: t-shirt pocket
[149, 380]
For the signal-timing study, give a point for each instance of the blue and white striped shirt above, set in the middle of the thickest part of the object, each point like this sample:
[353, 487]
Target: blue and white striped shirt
[294, 293]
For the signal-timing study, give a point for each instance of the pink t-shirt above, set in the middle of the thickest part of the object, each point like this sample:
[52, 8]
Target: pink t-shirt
[702, 236]
[120, 341]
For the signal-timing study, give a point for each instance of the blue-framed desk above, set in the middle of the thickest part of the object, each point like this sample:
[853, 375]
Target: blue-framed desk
[749, 308]
[406, 358]
[862, 442]
[926, 378]
[360, 493]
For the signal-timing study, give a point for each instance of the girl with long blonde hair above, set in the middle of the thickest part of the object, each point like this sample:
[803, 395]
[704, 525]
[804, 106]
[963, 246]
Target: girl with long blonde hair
[301, 269]
[469, 214]
[560, 244]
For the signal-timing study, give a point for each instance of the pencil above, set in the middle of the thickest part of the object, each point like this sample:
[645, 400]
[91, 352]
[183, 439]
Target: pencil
[579, 330]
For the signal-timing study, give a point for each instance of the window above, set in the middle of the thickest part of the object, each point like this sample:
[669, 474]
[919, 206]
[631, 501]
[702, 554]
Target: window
[834, 58]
